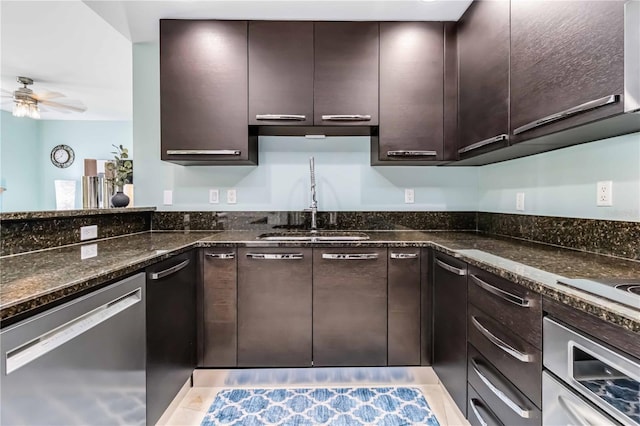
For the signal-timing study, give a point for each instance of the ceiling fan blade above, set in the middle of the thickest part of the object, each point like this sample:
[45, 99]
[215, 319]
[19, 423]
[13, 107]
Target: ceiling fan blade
[45, 95]
[6, 93]
[59, 106]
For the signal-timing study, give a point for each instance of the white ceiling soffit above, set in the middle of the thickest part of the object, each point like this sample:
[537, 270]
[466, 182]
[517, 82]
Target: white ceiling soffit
[138, 20]
[66, 47]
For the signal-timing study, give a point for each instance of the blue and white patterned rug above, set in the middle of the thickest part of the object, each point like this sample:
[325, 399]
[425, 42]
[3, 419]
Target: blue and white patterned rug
[388, 406]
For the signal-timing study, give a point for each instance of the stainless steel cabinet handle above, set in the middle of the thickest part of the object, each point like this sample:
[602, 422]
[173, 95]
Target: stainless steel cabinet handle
[500, 343]
[349, 256]
[504, 295]
[203, 152]
[276, 256]
[450, 268]
[596, 103]
[221, 255]
[474, 408]
[576, 416]
[412, 153]
[404, 255]
[524, 413]
[347, 117]
[288, 117]
[169, 271]
[484, 142]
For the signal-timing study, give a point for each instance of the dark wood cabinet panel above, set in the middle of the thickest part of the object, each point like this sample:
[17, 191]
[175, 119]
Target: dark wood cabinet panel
[274, 307]
[483, 49]
[404, 307]
[346, 72]
[203, 92]
[450, 326]
[350, 307]
[280, 72]
[411, 91]
[564, 54]
[219, 322]
[426, 306]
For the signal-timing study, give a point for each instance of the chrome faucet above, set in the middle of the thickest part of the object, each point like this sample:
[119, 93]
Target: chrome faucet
[313, 208]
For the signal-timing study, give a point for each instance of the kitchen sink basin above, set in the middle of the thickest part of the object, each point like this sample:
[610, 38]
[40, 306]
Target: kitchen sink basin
[314, 236]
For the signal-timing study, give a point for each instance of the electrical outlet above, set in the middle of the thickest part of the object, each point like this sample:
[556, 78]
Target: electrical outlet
[604, 193]
[88, 232]
[88, 251]
[409, 196]
[167, 197]
[214, 196]
[231, 196]
[520, 201]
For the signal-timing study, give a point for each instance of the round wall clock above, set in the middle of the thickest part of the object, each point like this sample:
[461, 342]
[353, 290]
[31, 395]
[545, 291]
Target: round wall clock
[62, 156]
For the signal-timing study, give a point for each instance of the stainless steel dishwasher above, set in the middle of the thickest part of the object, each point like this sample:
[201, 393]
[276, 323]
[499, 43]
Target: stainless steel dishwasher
[79, 363]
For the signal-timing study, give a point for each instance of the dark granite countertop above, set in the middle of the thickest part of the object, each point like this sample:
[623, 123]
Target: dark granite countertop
[52, 214]
[35, 279]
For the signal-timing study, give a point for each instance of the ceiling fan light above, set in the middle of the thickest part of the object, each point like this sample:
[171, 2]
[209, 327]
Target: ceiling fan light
[34, 111]
[20, 109]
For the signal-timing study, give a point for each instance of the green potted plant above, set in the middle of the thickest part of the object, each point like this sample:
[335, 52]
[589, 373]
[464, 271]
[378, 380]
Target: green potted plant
[120, 170]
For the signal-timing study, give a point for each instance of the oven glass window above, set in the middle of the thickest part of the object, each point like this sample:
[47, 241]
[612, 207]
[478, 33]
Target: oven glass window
[605, 382]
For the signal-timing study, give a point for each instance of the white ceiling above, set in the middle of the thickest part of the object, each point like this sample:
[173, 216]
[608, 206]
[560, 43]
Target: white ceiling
[83, 48]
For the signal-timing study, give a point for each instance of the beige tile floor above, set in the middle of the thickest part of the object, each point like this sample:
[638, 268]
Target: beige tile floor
[189, 409]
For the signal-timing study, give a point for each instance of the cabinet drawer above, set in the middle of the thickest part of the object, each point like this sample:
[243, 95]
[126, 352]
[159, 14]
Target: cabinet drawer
[517, 359]
[500, 395]
[479, 413]
[510, 304]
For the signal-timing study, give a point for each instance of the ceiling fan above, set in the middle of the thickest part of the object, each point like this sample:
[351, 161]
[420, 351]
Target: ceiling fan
[26, 103]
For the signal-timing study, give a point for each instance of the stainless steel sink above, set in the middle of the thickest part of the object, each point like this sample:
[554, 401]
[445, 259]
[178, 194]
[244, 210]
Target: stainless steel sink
[314, 236]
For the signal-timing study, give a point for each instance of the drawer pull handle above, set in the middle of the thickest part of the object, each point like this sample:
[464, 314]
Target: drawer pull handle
[169, 271]
[404, 255]
[596, 103]
[500, 343]
[525, 414]
[483, 142]
[221, 255]
[347, 117]
[450, 268]
[412, 153]
[504, 295]
[279, 117]
[474, 408]
[203, 152]
[276, 256]
[349, 256]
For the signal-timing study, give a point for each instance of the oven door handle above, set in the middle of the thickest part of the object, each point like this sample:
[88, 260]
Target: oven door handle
[576, 416]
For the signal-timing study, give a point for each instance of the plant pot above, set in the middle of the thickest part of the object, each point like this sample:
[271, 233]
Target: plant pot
[120, 199]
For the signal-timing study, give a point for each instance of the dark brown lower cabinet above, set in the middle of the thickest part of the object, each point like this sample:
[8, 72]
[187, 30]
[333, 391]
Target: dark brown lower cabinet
[450, 326]
[404, 306]
[350, 307]
[218, 329]
[274, 307]
[479, 412]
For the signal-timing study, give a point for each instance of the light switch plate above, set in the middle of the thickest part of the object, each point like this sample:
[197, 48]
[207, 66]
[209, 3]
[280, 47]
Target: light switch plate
[167, 198]
[88, 251]
[88, 232]
[409, 196]
[520, 201]
[231, 196]
[604, 193]
[214, 196]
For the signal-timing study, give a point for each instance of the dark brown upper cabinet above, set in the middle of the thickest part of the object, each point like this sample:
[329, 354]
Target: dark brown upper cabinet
[567, 64]
[280, 73]
[483, 73]
[411, 93]
[203, 93]
[346, 73]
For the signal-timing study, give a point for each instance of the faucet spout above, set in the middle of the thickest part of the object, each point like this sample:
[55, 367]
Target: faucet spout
[314, 201]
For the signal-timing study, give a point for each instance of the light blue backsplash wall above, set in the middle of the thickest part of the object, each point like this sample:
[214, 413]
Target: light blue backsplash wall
[558, 183]
[346, 181]
[26, 144]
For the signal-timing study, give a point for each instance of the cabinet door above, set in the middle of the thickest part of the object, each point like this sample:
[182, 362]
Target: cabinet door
[411, 91]
[219, 323]
[566, 56]
[483, 49]
[346, 73]
[450, 326]
[280, 73]
[274, 307]
[350, 307]
[171, 330]
[203, 92]
[404, 307]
